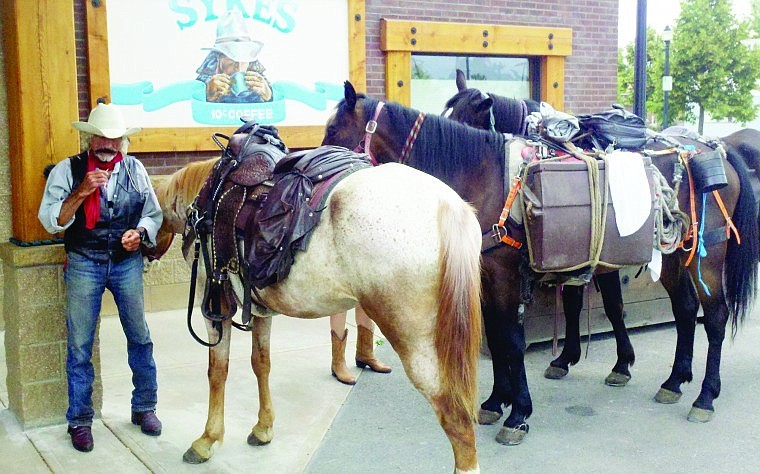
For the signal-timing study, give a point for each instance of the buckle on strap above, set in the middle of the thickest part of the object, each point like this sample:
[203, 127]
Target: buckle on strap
[500, 234]
[371, 126]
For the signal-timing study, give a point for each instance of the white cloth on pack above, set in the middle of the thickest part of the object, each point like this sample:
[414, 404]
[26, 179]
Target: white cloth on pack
[629, 190]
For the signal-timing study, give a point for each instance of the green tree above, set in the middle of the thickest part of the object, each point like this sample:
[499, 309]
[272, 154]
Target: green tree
[655, 65]
[754, 20]
[711, 65]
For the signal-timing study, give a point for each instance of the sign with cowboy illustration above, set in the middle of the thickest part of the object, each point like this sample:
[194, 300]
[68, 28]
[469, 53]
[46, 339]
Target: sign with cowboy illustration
[184, 63]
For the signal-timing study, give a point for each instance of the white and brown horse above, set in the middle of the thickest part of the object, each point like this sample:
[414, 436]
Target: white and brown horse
[399, 243]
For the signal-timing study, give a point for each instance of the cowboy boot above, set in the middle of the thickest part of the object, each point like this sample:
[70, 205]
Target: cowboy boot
[365, 353]
[339, 369]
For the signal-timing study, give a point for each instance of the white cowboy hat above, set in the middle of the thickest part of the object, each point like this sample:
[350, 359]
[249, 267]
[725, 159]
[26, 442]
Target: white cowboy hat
[106, 121]
[234, 40]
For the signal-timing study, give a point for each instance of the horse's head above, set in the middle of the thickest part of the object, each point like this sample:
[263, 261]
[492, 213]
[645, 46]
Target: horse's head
[360, 124]
[470, 106]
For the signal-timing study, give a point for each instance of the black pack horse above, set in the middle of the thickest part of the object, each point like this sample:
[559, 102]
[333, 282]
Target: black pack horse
[490, 111]
[471, 162]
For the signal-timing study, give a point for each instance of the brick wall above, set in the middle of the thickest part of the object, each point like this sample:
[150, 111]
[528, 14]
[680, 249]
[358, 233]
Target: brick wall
[590, 73]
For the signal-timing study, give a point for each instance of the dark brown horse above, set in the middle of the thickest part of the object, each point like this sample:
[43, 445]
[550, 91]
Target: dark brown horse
[471, 162]
[489, 111]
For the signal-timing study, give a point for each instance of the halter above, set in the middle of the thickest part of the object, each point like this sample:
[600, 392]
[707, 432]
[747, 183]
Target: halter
[371, 127]
[363, 146]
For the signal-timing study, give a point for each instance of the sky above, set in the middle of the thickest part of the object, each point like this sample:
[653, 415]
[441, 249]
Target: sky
[659, 14]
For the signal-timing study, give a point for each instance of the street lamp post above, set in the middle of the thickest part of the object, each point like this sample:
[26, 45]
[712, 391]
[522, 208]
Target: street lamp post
[667, 79]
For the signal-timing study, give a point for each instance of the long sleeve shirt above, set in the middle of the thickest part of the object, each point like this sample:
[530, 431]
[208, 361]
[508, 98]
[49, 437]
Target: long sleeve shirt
[59, 187]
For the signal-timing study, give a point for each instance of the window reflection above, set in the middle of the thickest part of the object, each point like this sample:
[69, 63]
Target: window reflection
[433, 78]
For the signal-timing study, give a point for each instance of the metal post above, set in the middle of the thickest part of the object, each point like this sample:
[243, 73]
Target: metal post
[667, 80]
[639, 65]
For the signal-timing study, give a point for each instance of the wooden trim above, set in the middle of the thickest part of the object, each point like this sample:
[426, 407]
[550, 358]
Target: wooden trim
[97, 53]
[157, 139]
[502, 40]
[400, 39]
[398, 76]
[357, 48]
[553, 81]
[190, 139]
[40, 74]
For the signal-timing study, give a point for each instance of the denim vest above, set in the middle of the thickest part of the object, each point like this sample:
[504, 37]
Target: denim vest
[103, 243]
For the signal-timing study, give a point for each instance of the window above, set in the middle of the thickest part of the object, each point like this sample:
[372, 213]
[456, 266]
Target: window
[521, 61]
[433, 78]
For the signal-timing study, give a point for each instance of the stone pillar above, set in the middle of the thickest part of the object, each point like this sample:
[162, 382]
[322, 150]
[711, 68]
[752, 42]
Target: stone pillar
[34, 307]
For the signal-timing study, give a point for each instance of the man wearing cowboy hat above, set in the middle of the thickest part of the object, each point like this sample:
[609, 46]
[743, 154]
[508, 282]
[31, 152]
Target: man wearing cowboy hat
[103, 200]
[231, 70]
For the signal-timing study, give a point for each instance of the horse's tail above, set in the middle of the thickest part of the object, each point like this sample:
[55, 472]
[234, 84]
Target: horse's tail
[742, 259]
[457, 332]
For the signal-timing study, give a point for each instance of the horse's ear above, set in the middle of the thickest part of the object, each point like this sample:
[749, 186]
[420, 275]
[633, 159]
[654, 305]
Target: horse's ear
[484, 104]
[350, 95]
[461, 81]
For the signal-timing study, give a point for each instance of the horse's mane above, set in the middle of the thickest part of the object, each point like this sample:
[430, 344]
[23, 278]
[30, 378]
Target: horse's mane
[177, 192]
[443, 147]
[509, 114]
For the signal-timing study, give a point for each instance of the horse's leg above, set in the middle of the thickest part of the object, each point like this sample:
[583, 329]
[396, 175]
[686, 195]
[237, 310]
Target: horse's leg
[715, 318]
[418, 356]
[516, 425]
[685, 304]
[612, 298]
[218, 365]
[491, 409]
[572, 304]
[262, 432]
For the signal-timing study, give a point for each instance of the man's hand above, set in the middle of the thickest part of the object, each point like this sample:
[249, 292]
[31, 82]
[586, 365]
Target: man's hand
[130, 240]
[217, 87]
[92, 181]
[259, 85]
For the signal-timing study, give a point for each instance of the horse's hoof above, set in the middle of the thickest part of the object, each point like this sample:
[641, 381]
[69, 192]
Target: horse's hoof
[667, 397]
[512, 436]
[555, 373]
[700, 415]
[254, 440]
[192, 456]
[488, 417]
[616, 379]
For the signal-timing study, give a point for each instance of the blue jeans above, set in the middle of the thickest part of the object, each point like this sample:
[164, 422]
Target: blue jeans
[86, 280]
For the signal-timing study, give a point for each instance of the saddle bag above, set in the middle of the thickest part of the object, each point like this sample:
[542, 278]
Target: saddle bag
[558, 219]
[616, 127]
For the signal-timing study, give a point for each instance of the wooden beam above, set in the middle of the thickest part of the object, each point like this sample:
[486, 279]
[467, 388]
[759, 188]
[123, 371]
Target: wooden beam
[357, 49]
[191, 139]
[553, 81]
[398, 77]
[40, 70]
[97, 52]
[481, 39]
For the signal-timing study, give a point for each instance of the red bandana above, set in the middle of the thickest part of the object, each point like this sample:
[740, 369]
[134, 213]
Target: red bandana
[92, 202]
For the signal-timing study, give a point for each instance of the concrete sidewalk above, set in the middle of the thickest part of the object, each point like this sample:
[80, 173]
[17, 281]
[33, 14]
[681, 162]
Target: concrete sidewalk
[306, 400]
[383, 425]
